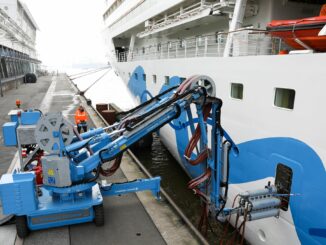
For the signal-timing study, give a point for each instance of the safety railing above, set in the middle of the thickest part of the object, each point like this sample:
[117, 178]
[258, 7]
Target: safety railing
[244, 43]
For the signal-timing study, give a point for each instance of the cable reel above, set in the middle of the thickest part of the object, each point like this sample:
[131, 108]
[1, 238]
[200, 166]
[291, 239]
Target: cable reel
[49, 129]
[198, 80]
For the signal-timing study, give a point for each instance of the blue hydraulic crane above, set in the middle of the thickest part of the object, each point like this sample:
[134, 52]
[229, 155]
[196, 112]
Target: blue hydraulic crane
[70, 192]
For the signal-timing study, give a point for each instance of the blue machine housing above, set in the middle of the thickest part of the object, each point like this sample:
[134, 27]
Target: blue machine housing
[30, 117]
[18, 193]
[9, 133]
[60, 209]
[9, 129]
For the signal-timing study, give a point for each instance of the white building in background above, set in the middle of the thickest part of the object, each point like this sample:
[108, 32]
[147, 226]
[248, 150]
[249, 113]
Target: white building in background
[17, 40]
[17, 27]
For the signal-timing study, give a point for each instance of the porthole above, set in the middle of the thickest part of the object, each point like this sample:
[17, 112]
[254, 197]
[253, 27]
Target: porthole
[237, 91]
[284, 98]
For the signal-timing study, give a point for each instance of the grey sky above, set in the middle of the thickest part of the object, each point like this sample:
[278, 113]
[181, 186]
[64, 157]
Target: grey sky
[70, 31]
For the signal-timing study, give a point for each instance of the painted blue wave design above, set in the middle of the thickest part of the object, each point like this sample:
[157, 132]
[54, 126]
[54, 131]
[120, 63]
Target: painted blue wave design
[258, 159]
[137, 84]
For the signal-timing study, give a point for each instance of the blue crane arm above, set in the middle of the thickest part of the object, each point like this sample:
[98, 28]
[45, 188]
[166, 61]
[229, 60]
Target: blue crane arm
[114, 148]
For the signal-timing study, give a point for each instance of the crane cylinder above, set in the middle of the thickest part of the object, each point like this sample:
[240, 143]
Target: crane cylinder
[265, 203]
[226, 148]
[260, 192]
[263, 214]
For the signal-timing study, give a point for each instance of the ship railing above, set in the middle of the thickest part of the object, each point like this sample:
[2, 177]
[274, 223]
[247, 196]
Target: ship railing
[167, 19]
[244, 43]
[192, 9]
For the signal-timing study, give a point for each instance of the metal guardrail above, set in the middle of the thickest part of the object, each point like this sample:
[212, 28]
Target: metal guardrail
[244, 43]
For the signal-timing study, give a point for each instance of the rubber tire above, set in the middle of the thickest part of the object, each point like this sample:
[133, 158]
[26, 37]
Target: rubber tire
[99, 215]
[21, 226]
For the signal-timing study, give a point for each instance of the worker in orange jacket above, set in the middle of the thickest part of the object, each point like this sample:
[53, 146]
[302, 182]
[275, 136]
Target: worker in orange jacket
[81, 119]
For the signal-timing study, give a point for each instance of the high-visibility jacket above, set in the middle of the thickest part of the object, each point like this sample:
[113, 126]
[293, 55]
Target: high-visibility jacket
[80, 116]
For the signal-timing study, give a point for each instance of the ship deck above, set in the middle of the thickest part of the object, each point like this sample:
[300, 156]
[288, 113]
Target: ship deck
[129, 219]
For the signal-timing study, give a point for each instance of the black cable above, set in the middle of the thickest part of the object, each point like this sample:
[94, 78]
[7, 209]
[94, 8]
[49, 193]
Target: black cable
[39, 111]
[97, 174]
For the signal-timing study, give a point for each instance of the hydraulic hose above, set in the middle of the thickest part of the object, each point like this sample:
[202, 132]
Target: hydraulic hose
[194, 141]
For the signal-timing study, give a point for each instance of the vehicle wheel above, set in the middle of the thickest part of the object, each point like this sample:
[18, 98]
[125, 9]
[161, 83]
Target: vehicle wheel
[99, 215]
[21, 226]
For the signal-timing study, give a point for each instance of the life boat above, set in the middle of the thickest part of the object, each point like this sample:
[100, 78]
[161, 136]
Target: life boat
[301, 33]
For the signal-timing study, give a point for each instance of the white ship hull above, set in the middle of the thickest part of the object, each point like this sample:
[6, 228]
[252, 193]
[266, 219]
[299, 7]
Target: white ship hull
[254, 118]
[277, 119]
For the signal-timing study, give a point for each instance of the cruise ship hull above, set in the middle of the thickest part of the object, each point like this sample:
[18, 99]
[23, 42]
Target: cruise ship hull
[266, 135]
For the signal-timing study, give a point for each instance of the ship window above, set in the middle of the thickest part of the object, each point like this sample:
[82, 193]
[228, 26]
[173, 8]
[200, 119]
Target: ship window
[237, 91]
[143, 50]
[284, 98]
[283, 183]
[154, 79]
[159, 47]
[166, 80]
[129, 74]
[144, 77]
[136, 76]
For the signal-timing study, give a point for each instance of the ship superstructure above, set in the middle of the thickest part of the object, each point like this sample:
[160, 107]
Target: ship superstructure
[17, 41]
[272, 103]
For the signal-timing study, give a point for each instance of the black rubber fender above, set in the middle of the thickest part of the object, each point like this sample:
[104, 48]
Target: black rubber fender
[34, 78]
[30, 78]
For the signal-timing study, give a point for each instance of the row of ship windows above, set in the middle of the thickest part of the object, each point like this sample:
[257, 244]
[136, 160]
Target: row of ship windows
[283, 97]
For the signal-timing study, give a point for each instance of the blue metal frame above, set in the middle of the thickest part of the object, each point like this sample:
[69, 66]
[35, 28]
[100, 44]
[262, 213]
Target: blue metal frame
[56, 210]
[152, 184]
